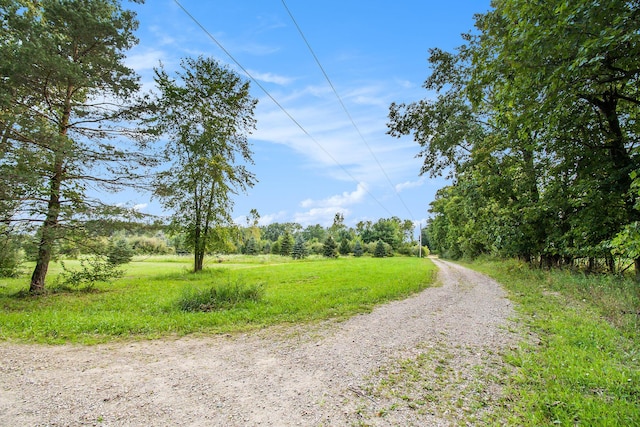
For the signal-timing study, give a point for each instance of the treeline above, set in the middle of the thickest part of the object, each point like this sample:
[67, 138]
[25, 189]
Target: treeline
[536, 120]
[125, 239]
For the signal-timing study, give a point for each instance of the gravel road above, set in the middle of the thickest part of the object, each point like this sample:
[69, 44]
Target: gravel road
[356, 372]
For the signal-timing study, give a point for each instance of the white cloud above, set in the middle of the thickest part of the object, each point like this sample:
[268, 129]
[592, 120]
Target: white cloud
[323, 216]
[140, 206]
[271, 218]
[323, 211]
[409, 184]
[340, 200]
[271, 78]
[144, 61]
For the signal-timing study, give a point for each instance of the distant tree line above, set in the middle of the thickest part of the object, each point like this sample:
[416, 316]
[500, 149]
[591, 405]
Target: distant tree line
[120, 240]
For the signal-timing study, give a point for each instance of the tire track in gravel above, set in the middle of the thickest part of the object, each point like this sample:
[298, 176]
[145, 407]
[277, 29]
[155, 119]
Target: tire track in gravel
[304, 375]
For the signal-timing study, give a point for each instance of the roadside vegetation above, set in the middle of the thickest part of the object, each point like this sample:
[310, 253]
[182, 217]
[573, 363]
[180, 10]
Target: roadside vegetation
[159, 296]
[579, 361]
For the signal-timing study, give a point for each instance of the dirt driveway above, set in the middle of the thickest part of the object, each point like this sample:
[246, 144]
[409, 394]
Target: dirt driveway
[334, 374]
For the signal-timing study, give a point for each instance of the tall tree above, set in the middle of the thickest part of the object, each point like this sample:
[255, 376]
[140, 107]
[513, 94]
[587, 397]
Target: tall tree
[206, 112]
[68, 106]
[536, 118]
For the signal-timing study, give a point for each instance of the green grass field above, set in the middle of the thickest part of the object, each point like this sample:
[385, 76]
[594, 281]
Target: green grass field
[144, 303]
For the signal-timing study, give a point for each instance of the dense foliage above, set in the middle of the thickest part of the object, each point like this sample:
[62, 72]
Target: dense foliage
[536, 120]
[69, 116]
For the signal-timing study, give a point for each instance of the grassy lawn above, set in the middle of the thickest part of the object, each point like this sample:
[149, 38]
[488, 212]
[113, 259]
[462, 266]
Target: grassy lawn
[143, 304]
[581, 362]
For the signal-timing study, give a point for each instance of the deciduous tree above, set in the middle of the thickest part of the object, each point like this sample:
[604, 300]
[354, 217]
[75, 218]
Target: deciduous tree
[206, 112]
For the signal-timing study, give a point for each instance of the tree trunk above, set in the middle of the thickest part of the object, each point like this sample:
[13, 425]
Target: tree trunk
[48, 231]
[50, 224]
[198, 249]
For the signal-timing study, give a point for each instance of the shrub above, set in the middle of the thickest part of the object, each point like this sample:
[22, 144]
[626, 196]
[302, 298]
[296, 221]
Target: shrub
[92, 270]
[144, 245]
[220, 297]
[316, 248]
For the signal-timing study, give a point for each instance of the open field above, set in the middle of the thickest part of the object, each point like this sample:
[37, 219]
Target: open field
[143, 304]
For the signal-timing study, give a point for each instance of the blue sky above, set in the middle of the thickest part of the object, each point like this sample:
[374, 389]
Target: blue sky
[374, 52]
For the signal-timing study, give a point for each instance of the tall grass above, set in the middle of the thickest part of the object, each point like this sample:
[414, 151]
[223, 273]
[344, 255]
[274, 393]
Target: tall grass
[581, 362]
[219, 297]
[145, 302]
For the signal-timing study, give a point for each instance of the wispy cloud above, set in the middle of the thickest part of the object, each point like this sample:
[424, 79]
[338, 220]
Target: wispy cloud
[409, 184]
[271, 78]
[322, 216]
[339, 200]
[322, 211]
[145, 60]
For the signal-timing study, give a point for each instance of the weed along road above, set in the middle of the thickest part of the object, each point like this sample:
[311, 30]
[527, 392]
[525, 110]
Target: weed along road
[431, 359]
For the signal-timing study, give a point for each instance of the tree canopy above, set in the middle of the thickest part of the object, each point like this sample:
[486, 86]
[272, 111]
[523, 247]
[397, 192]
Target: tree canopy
[536, 121]
[68, 109]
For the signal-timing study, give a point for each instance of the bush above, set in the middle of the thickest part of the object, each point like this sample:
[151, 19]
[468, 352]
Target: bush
[144, 245]
[316, 248]
[219, 297]
[92, 270]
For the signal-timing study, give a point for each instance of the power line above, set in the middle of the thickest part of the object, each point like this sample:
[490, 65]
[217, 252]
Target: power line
[344, 107]
[277, 103]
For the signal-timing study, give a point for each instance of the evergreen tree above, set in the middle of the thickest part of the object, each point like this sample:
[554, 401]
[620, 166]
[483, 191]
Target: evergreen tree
[330, 248]
[358, 250]
[119, 252]
[69, 114]
[299, 249]
[380, 251]
[286, 243]
[251, 247]
[344, 247]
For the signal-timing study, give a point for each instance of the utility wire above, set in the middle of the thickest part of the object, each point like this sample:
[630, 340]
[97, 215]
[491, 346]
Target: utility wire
[277, 103]
[345, 108]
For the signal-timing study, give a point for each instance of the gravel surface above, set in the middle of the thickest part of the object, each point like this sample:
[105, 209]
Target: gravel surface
[358, 372]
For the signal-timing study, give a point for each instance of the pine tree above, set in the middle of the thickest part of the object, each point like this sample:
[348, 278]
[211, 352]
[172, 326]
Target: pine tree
[380, 251]
[357, 249]
[299, 249]
[286, 244]
[251, 247]
[119, 251]
[344, 247]
[330, 248]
